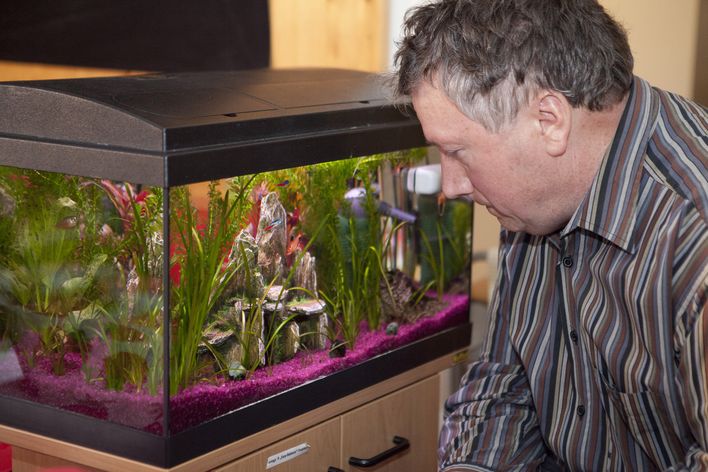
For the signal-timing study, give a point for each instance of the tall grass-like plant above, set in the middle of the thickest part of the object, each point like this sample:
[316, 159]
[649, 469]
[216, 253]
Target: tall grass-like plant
[371, 269]
[129, 326]
[434, 255]
[459, 233]
[352, 259]
[324, 205]
[446, 252]
[323, 200]
[203, 274]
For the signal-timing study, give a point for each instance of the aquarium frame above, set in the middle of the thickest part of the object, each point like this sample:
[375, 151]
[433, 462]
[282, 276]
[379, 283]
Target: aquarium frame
[81, 126]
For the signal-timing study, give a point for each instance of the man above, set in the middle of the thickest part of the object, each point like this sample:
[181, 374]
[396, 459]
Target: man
[596, 353]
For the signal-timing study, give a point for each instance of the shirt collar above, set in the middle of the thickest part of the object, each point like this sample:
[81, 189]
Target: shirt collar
[609, 207]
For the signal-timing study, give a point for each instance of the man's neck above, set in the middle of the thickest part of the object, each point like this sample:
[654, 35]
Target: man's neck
[592, 135]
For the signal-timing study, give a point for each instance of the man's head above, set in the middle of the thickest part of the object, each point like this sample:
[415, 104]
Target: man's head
[520, 96]
[490, 56]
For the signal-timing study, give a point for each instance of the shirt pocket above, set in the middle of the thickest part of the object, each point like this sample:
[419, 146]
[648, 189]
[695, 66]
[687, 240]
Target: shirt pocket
[643, 415]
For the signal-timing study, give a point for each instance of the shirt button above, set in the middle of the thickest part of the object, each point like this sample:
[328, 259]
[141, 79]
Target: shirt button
[580, 410]
[568, 261]
[574, 337]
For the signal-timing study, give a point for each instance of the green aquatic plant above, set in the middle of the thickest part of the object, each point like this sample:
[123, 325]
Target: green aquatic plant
[46, 278]
[48, 254]
[80, 329]
[322, 199]
[347, 312]
[365, 275]
[353, 259]
[434, 257]
[323, 202]
[459, 233]
[203, 274]
[445, 238]
[130, 324]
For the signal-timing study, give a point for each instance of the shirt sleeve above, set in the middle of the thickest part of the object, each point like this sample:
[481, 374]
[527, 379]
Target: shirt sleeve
[691, 338]
[490, 422]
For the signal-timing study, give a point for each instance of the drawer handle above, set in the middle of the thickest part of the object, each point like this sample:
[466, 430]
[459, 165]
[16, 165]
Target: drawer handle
[334, 469]
[401, 444]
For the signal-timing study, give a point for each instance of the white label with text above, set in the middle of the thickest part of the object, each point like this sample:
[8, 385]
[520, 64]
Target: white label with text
[285, 456]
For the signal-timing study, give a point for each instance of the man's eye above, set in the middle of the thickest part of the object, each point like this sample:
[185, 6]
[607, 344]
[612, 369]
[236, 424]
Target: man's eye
[451, 152]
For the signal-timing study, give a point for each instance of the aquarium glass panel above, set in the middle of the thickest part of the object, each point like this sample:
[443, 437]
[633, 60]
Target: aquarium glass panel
[286, 276]
[81, 295]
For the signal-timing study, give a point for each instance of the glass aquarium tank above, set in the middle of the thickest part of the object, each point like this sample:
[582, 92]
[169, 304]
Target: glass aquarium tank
[187, 259]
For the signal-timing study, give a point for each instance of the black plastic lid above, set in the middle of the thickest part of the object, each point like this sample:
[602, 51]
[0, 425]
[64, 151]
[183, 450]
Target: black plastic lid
[173, 129]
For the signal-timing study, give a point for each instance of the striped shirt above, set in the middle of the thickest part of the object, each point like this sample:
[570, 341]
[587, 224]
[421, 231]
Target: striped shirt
[596, 354]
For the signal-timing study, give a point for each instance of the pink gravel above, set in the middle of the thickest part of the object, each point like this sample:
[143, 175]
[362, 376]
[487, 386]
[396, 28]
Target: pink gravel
[203, 402]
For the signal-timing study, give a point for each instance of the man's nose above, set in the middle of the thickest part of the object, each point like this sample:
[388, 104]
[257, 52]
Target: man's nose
[455, 183]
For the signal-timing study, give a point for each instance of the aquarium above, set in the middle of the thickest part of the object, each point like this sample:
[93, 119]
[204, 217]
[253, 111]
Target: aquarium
[187, 259]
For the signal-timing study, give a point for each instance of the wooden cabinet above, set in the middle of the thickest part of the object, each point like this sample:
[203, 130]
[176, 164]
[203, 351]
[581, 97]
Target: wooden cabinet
[313, 450]
[410, 414]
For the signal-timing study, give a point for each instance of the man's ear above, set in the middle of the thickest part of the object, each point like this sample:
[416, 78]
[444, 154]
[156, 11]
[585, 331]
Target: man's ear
[554, 119]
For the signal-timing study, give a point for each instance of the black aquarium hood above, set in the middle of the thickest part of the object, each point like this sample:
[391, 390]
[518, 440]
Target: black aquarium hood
[180, 128]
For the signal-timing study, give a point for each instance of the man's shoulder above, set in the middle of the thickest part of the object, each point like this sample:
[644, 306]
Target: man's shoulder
[677, 154]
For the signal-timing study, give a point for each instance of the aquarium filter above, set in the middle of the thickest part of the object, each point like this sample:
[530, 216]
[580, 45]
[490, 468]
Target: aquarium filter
[425, 180]
[356, 198]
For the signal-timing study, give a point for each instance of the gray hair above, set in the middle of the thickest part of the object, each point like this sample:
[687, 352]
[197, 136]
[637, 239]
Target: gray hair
[491, 56]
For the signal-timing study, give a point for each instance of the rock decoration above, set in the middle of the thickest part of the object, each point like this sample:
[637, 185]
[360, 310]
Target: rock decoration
[132, 283]
[271, 238]
[312, 322]
[291, 340]
[305, 273]
[238, 337]
[224, 342]
[7, 204]
[257, 298]
[154, 246]
[248, 280]
[396, 307]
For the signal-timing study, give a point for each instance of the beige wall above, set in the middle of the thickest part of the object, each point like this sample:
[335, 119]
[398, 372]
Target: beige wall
[349, 34]
[663, 35]
[11, 70]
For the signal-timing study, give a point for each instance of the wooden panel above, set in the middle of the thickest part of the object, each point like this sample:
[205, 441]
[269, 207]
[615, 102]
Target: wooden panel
[24, 460]
[324, 451]
[11, 70]
[328, 33]
[411, 413]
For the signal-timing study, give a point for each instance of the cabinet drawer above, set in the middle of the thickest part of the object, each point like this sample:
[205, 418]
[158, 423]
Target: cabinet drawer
[411, 413]
[324, 451]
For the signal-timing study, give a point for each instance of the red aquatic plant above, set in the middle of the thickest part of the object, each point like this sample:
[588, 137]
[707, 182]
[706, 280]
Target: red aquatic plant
[123, 197]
